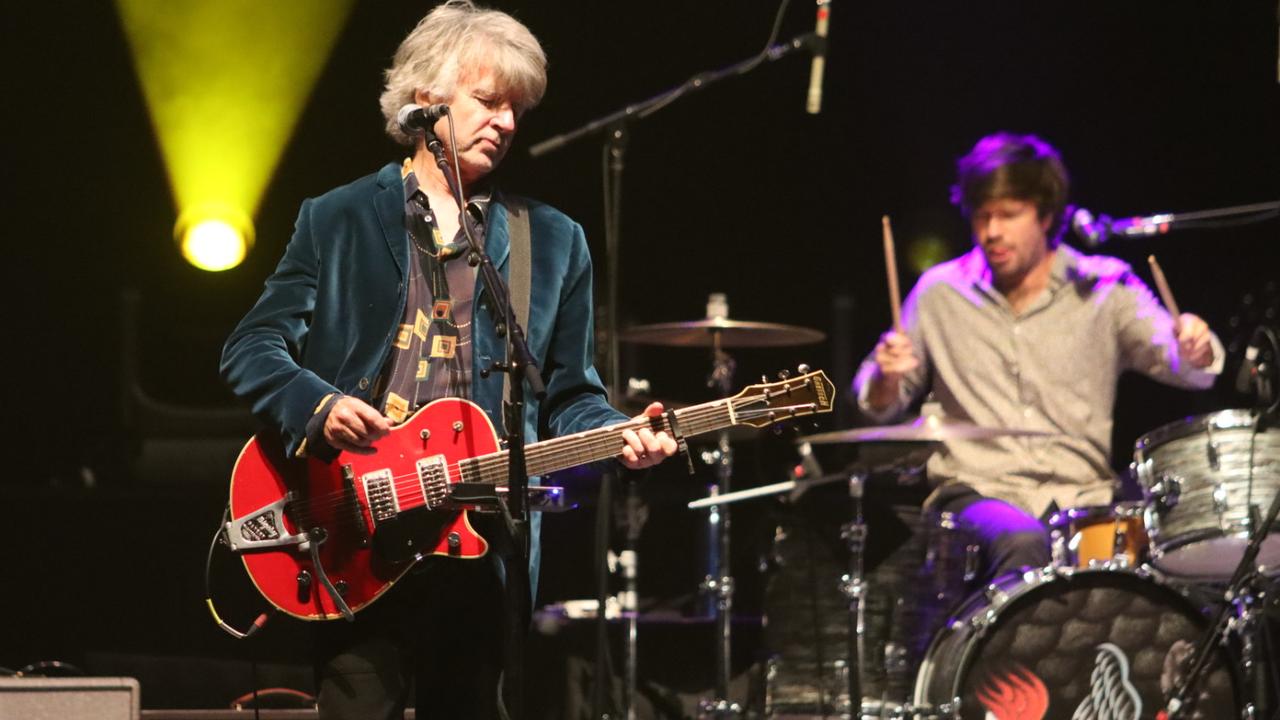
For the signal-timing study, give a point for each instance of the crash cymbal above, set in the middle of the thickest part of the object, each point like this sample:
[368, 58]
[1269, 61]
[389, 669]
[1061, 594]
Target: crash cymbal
[925, 429]
[732, 334]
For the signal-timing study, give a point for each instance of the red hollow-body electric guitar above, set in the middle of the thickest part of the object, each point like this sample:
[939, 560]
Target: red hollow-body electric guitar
[323, 540]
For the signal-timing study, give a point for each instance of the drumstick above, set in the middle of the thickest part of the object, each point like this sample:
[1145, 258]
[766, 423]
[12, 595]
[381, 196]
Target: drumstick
[891, 267]
[1166, 295]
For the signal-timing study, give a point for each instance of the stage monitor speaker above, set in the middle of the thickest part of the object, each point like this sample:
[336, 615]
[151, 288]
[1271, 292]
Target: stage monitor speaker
[74, 698]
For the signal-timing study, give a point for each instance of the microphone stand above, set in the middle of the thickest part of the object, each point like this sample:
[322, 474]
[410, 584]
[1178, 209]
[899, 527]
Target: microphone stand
[1162, 223]
[521, 366]
[615, 123]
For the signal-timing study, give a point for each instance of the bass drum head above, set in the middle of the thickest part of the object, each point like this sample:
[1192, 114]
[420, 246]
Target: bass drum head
[1083, 644]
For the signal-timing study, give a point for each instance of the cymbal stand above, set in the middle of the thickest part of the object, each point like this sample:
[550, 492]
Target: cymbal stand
[852, 586]
[718, 583]
[635, 514]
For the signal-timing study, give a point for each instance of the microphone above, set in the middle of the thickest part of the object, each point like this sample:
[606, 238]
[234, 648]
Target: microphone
[813, 105]
[1093, 231]
[415, 119]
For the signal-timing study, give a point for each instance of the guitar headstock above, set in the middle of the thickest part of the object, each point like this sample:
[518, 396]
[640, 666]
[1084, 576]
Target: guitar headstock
[764, 404]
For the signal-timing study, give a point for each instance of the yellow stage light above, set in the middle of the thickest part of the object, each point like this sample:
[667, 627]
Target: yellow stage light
[225, 82]
[214, 238]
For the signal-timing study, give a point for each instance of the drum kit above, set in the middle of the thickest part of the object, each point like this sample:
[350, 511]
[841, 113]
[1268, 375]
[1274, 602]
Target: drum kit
[1117, 626]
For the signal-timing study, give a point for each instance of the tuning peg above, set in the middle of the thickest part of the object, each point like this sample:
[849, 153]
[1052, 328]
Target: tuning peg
[764, 378]
[803, 368]
[784, 374]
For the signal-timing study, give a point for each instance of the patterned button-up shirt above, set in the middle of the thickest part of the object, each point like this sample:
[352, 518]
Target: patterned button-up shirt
[1052, 368]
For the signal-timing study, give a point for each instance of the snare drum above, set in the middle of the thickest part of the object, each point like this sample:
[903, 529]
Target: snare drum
[1201, 476]
[1110, 535]
[1064, 643]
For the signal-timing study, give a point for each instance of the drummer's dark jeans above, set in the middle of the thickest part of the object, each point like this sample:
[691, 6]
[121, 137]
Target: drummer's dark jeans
[1011, 540]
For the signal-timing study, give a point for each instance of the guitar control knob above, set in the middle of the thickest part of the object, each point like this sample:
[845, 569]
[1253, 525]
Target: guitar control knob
[341, 587]
[304, 586]
[454, 540]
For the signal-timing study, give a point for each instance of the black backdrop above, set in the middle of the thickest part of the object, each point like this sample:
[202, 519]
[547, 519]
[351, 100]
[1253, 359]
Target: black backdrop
[1156, 106]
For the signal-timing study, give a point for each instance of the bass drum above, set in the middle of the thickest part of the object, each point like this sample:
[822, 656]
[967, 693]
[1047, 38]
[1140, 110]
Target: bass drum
[1083, 644]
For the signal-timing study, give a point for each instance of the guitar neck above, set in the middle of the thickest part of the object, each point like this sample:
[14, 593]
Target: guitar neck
[591, 446]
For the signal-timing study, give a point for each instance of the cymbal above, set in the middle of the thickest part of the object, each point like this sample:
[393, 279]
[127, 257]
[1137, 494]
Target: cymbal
[732, 333]
[925, 429]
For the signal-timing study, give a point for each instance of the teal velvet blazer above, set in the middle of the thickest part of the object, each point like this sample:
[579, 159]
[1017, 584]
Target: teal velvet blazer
[328, 315]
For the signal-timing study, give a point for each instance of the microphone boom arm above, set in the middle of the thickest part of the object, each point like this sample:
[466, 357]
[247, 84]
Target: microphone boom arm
[645, 108]
[1096, 233]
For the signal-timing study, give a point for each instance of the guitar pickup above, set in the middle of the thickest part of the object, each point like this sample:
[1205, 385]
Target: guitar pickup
[380, 492]
[262, 529]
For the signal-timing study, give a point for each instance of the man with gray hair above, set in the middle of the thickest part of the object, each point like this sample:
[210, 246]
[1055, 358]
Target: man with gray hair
[371, 314]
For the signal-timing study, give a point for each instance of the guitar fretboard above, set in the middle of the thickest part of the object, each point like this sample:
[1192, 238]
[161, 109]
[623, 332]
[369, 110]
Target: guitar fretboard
[603, 443]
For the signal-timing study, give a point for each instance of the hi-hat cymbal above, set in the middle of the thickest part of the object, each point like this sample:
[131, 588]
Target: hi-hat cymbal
[732, 333]
[925, 429]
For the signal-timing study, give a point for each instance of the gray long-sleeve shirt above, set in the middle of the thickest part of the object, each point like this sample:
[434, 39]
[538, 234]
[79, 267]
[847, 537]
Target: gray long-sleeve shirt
[1052, 368]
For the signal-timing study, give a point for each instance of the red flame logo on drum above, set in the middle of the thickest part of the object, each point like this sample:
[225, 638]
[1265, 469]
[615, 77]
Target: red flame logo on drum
[1019, 695]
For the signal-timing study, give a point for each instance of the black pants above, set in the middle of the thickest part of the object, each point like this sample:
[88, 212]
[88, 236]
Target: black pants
[439, 630]
[1010, 538]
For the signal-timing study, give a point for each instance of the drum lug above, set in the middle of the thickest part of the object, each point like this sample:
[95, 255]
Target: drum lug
[972, 563]
[1167, 491]
[1211, 450]
[1220, 498]
[852, 589]
[996, 598]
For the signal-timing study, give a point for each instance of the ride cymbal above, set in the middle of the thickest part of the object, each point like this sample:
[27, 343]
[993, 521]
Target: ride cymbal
[731, 334]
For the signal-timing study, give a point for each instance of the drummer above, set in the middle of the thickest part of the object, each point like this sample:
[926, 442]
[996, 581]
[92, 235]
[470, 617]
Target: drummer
[1023, 332]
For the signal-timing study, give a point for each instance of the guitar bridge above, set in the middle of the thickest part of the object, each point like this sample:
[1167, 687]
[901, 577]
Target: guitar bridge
[262, 529]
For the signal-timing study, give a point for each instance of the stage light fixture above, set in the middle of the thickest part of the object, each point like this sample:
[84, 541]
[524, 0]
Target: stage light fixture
[214, 237]
[225, 82]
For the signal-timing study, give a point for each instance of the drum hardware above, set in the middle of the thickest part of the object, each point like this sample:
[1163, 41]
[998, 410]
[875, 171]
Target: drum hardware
[1065, 642]
[1220, 499]
[1166, 491]
[1099, 535]
[854, 533]
[717, 332]
[1119, 545]
[1248, 585]
[1199, 518]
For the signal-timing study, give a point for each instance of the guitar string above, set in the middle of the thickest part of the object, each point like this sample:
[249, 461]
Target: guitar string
[487, 469]
[484, 468]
